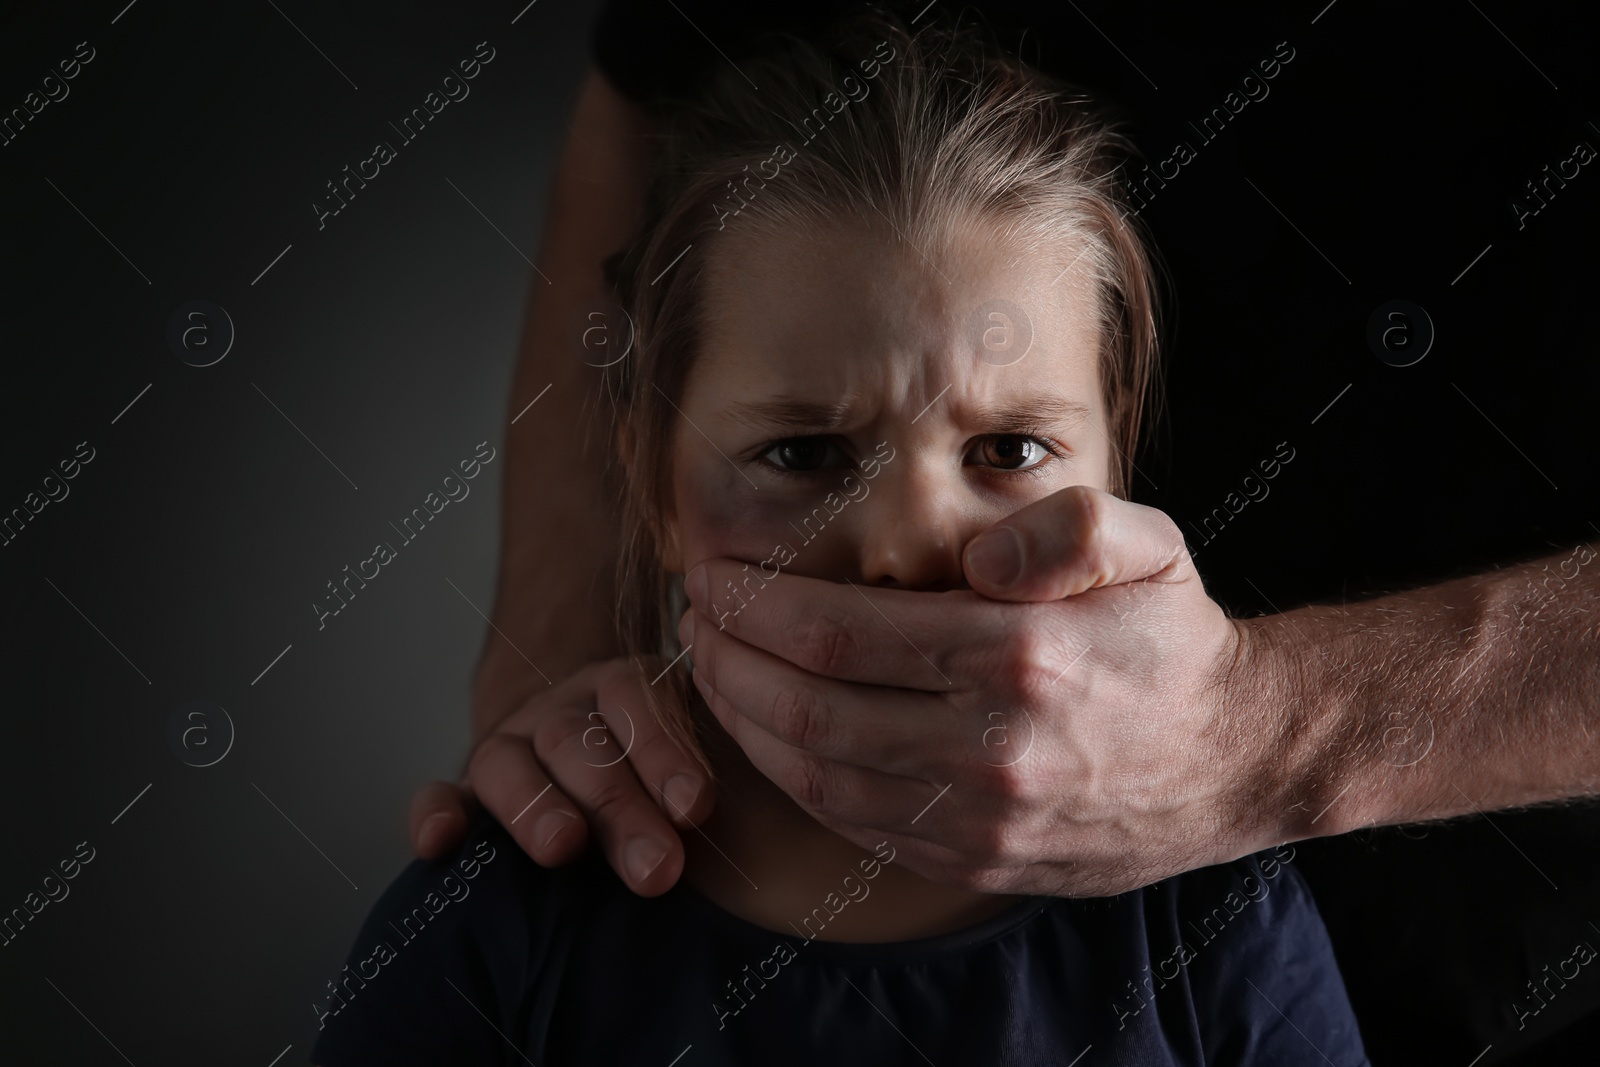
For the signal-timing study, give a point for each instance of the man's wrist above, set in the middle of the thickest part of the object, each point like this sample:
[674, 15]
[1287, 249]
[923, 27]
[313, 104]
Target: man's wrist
[534, 643]
[1286, 695]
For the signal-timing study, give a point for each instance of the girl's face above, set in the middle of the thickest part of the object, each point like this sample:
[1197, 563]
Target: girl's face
[860, 412]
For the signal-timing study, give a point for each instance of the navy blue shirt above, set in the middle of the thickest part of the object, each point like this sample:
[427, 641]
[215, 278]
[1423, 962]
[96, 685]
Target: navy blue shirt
[488, 958]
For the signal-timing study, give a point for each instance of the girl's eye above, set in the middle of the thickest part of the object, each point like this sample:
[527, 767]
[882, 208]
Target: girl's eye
[801, 454]
[1012, 452]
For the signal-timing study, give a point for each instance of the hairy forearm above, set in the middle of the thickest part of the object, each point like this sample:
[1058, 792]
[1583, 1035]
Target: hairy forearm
[558, 538]
[1470, 695]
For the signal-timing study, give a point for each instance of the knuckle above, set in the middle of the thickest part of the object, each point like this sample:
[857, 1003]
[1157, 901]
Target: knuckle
[825, 646]
[1179, 564]
[1012, 786]
[810, 786]
[1167, 531]
[610, 801]
[595, 745]
[1087, 509]
[554, 735]
[1007, 788]
[1087, 521]
[493, 750]
[615, 675]
[703, 659]
[658, 751]
[1026, 666]
[799, 718]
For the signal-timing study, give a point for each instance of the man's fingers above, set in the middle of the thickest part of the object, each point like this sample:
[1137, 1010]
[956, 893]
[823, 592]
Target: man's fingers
[591, 757]
[639, 843]
[510, 783]
[890, 730]
[914, 640]
[676, 782]
[1073, 541]
[838, 794]
[589, 754]
[440, 812]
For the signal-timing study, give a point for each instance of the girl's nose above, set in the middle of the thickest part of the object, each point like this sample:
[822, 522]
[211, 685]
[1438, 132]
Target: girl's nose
[911, 541]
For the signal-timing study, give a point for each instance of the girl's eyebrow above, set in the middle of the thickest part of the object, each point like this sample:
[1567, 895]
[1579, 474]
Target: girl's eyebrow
[786, 413]
[1031, 412]
[791, 414]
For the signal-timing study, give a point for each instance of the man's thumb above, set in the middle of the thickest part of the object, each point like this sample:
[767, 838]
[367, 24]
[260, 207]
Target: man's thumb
[1072, 541]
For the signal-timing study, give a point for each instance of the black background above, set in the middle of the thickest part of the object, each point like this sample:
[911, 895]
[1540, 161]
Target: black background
[1384, 162]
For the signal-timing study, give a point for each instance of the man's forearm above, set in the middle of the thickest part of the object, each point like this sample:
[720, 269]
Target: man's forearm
[1470, 695]
[558, 539]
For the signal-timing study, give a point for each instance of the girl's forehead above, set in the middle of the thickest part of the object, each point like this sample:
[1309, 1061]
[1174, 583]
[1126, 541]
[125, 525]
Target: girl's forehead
[852, 311]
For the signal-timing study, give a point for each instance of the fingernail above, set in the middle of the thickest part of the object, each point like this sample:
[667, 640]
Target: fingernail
[642, 856]
[681, 790]
[697, 585]
[549, 825]
[996, 556]
[430, 827]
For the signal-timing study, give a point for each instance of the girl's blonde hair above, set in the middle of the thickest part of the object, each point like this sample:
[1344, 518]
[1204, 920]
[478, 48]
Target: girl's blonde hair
[949, 128]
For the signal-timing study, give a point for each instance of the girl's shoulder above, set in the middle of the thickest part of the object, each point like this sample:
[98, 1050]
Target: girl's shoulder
[477, 925]
[1263, 889]
[1245, 942]
[1258, 897]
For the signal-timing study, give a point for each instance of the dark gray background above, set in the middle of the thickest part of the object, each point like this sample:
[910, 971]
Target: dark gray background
[196, 540]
